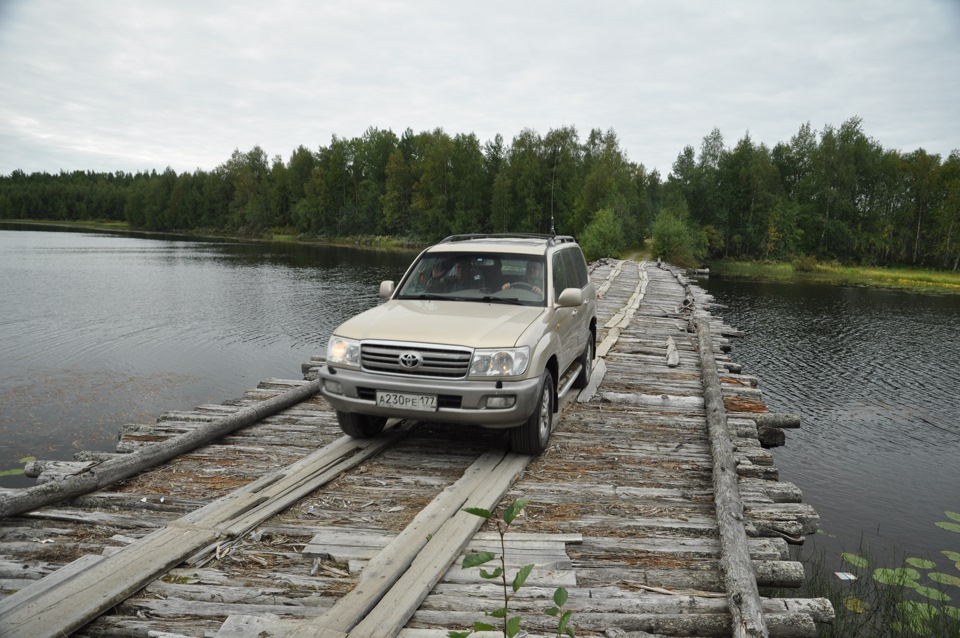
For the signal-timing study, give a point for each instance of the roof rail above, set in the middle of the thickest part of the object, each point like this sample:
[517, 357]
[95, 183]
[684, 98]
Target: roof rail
[551, 239]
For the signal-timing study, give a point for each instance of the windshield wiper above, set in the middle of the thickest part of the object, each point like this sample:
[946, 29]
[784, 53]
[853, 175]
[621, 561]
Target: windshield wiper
[426, 295]
[515, 302]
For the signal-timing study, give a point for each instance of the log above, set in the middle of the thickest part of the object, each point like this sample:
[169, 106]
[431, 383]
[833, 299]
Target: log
[776, 420]
[735, 565]
[119, 468]
[46, 471]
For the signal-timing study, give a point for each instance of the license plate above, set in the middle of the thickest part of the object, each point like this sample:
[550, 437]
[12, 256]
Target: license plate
[421, 402]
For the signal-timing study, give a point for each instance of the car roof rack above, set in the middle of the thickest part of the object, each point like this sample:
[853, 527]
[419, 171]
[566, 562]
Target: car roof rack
[551, 239]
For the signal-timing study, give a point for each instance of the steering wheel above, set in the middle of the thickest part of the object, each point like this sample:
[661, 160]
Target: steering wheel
[522, 284]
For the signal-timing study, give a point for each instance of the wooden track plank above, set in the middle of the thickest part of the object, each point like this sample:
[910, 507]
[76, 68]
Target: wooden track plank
[75, 600]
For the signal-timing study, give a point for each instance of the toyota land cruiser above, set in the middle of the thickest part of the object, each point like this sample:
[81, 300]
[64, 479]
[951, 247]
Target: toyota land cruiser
[486, 330]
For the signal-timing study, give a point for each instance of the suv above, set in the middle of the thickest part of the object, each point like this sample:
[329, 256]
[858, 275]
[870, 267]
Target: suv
[481, 330]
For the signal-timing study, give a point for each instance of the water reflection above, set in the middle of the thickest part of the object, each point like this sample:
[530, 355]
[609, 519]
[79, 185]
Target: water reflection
[874, 375]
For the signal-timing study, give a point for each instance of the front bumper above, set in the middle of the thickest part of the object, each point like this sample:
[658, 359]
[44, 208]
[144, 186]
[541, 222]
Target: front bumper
[458, 401]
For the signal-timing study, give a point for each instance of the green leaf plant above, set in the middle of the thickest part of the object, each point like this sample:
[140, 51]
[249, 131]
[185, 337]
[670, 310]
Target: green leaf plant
[916, 599]
[510, 624]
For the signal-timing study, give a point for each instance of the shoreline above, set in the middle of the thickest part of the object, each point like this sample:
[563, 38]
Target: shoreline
[907, 279]
[902, 278]
[361, 241]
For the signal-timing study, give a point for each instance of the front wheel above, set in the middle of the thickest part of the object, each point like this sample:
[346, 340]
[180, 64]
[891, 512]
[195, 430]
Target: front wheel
[360, 426]
[532, 437]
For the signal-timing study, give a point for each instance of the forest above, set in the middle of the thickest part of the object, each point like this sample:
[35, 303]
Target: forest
[833, 194]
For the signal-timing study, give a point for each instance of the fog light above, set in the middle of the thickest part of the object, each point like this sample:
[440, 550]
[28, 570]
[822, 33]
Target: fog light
[500, 402]
[333, 387]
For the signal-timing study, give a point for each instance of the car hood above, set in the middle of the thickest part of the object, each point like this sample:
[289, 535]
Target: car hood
[458, 323]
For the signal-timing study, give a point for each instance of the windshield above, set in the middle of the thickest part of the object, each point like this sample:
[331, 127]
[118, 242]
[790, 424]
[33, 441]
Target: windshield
[486, 277]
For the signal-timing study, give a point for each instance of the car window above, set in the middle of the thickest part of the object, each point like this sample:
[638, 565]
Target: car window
[560, 278]
[577, 275]
[471, 276]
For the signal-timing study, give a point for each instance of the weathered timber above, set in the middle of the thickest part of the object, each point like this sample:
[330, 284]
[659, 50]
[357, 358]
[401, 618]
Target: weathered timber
[63, 602]
[741, 585]
[415, 560]
[118, 468]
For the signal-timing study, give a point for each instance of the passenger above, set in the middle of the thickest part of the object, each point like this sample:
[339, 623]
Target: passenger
[437, 282]
[460, 277]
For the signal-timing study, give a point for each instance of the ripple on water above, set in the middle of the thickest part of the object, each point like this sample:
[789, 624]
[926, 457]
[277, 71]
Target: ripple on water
[874, 375]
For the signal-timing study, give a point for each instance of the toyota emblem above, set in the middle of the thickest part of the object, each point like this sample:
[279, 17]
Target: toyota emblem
[410, 359]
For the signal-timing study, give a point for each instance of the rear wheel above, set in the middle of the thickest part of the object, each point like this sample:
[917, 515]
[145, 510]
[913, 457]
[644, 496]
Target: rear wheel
[586, 365]
[532, 437]
[360, 426]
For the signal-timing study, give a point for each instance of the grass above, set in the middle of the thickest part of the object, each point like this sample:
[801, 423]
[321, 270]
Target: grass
[913, 279]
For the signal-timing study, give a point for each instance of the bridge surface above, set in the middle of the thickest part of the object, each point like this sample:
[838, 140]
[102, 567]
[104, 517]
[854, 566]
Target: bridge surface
[655, 507]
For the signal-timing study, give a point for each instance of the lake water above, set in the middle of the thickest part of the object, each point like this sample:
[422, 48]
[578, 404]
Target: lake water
[99, 330]
[875, 377]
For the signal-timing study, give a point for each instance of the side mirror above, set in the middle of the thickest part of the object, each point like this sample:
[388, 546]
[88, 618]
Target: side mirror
[570, 298]
[386, 289]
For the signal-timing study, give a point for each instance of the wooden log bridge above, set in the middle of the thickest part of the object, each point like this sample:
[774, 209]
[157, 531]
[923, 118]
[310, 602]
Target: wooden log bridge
[656, 507]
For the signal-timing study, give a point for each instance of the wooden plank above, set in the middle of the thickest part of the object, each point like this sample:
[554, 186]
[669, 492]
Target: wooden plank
[391, 614]
[400, 576]
[342, 545]
[71, 602]
[74, 601]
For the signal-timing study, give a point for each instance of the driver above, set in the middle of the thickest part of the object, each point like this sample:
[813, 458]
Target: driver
[533, 279]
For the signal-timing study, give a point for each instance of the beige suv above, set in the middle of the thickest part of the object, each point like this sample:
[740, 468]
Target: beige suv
[481, 330]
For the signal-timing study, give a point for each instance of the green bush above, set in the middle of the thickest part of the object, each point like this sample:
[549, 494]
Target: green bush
[676, 241]
[807, 263]
[603, 237]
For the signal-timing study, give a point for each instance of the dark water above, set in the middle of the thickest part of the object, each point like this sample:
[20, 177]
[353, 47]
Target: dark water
[875, 376]
[100, 330]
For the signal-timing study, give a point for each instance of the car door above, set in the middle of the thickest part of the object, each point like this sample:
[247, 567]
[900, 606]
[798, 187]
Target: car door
[568, 320]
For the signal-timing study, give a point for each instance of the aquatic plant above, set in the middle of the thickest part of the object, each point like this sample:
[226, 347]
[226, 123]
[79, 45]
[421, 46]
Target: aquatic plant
[917, 598]
[18, 471]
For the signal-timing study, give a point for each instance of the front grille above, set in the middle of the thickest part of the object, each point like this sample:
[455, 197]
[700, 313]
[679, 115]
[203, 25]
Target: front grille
[445, 363]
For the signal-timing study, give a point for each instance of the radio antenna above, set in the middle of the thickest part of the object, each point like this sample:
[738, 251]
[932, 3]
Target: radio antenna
[553, 180]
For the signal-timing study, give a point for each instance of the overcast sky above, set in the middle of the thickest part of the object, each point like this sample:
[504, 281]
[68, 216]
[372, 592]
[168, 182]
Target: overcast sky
[128, 85]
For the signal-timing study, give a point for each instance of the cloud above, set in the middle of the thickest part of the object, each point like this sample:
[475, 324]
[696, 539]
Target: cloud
[135, 86]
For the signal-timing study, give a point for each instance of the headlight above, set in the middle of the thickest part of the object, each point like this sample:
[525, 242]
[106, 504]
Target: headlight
[345, 352]
[510, 362]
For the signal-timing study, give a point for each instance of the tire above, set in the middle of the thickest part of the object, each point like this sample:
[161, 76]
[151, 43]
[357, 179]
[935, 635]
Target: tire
[360, 426]
[586, 365]
[533, 436]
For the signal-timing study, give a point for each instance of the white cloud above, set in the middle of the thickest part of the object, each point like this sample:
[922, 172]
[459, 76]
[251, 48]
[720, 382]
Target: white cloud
[130, 86]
